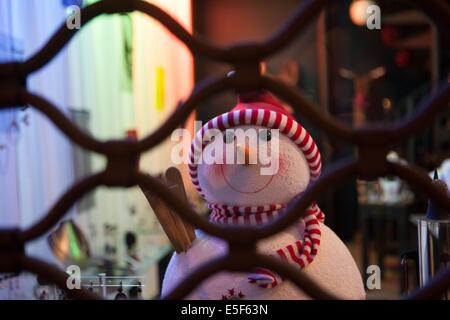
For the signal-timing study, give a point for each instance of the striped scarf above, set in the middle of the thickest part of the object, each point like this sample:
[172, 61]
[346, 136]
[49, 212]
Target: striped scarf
[300, 253]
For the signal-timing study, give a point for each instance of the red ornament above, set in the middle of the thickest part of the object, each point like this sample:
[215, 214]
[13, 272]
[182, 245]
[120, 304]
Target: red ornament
[132, 134]
[359, 100]
[389, 35]
[402, 58]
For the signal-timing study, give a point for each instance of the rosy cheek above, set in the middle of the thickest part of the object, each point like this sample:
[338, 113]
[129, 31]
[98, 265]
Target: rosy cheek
[282, 164]
[214, 170]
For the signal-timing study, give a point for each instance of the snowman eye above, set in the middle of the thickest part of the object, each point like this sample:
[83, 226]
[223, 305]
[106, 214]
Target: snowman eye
[228, 136]
[265, 135]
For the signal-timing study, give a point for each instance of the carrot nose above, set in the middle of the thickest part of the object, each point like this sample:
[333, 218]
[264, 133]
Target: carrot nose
[247, 153]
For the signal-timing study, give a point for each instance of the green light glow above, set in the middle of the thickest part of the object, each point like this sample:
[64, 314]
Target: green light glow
[73, 245]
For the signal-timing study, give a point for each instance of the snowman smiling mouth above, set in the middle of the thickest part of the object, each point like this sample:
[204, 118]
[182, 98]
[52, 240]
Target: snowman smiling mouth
[241, 189]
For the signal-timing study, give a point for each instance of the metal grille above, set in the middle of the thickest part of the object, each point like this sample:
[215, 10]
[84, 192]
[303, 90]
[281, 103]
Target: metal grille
[371, 142]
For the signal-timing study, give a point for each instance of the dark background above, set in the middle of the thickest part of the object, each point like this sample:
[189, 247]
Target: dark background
[405, 46]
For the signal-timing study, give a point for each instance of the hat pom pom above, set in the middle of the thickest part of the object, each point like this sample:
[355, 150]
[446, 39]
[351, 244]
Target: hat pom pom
[257, 96]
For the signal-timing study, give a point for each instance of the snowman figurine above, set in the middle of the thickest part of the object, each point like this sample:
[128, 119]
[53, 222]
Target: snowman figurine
[239, 193]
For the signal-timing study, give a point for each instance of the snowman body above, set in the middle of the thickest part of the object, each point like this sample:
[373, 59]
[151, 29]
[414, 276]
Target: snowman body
[333, 269]
[294, 161]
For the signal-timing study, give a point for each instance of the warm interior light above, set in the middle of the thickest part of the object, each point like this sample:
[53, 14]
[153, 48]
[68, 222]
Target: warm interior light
[387, 104]
[358, 11]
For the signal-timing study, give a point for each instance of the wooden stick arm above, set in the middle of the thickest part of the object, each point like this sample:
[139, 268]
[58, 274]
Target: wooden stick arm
[180, 233]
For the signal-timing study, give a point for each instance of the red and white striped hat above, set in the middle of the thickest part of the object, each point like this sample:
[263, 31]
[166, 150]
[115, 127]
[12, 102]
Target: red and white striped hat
[261, 109]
